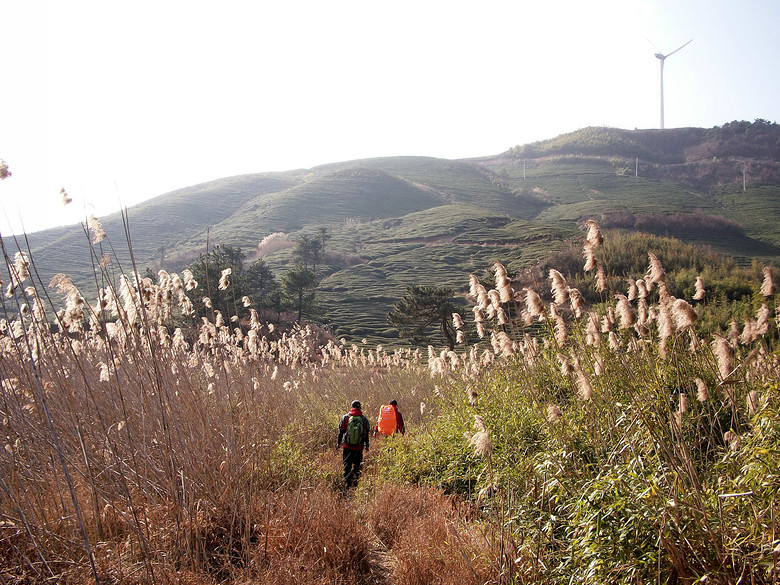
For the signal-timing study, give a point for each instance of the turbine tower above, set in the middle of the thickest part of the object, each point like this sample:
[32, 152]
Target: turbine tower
[661, 57]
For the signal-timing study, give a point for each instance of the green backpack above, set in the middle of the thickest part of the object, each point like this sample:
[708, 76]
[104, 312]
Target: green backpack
[353, 436]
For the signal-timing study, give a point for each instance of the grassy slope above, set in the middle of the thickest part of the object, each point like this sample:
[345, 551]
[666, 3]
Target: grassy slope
[170, 227]
[333, 197]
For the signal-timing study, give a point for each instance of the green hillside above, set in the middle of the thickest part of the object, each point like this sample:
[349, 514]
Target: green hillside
[418, 220]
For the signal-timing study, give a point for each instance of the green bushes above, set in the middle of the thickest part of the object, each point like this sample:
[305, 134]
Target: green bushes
[631, 443]
[616, 488]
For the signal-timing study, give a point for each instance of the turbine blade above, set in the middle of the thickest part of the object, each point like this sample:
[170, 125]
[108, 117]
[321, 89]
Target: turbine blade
[677, 49]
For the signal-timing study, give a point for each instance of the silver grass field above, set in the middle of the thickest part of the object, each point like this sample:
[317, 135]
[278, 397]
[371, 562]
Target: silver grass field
[559, 442]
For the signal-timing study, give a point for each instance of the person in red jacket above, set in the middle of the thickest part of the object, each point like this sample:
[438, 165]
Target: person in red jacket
[353, 437]
[399, 426]
[399, 420]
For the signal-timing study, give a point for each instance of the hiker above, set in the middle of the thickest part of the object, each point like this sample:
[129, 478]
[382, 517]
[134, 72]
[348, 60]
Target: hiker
[353, 437]
[389, 420]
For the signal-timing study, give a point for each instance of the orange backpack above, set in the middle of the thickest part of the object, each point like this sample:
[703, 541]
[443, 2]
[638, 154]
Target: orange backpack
[386, 422]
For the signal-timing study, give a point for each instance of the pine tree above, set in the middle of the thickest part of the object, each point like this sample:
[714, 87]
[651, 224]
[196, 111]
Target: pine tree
[298, 287]
[423, 308]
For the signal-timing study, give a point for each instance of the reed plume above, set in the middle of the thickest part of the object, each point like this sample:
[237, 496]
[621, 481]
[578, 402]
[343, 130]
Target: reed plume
[224, 279]
[601, 279]
[642, 312]
[457, 321]
[474, 285]
[702, 393]
[633, 291]
[700, 292]
[749, 332]
[594, 236]
[655, 271]
[592, 336]
[558, 288]
[104, 373]
[534, 304]
[684, 314]
[483, 446]
[614, 342]
[20, 271]
[768, 286]
[495, 303]
[503, 283]
[625, 312]
[666, 322]
[559, 326]
[577, 302]
[94, 225]
[584, 388]
[663, 292]
[589, 254]
[189, 280]
[724, 355]
[502, 344]
[128, 295]
[479, 293]
[762, 320]
[608, 320]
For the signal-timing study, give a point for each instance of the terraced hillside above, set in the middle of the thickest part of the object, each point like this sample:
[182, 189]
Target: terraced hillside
[416, 220]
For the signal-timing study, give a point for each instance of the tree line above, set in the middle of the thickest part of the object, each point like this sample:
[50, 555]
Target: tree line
[226, 283]
[422, 314]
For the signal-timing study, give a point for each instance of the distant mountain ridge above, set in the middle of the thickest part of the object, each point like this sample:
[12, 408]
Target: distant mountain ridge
[700, 157]
[421, 220]
[759, 139]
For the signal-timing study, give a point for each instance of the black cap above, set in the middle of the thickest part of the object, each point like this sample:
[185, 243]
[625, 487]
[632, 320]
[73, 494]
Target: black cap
[394, 402]
[356, 404]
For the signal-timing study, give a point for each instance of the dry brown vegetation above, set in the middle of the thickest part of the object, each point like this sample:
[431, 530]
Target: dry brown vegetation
[131, 455]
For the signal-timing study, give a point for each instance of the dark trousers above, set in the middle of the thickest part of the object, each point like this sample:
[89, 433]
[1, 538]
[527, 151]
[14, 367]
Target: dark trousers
[353, 462]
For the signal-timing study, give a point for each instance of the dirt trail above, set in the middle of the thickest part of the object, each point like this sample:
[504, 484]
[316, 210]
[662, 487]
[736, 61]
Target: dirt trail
[382, 562]
[381, 559]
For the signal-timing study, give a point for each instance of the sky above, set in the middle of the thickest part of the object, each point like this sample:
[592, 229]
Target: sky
[120, 101]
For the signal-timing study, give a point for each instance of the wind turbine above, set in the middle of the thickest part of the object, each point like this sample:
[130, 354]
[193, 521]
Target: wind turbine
[661, 57]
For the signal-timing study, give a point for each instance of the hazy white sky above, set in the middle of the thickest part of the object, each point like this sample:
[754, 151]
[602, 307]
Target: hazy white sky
[120, 101]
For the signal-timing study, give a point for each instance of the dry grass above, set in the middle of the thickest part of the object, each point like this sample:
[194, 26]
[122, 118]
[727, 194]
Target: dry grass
[138, 449]
[429, 538]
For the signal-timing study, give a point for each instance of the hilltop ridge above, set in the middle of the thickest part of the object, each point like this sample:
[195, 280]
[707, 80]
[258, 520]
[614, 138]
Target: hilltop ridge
[698, 157]
[759, 139]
